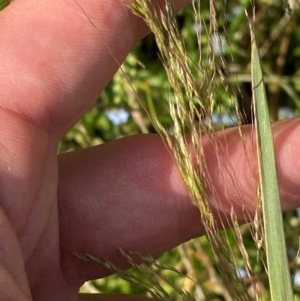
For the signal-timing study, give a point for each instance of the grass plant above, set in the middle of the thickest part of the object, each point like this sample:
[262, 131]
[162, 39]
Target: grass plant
[193, 97]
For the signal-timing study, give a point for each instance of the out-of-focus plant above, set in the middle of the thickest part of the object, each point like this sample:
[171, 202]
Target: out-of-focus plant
[4, 3]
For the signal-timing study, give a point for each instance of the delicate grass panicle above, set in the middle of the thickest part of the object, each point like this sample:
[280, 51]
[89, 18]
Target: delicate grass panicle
[192, 100]
[193, 97]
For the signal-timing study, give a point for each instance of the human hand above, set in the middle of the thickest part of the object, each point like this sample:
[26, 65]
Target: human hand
[126, 194]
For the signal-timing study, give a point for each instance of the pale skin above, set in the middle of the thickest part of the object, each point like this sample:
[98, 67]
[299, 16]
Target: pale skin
[126, 194]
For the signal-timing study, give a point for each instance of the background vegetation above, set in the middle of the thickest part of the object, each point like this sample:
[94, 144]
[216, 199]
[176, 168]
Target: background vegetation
[118, 113]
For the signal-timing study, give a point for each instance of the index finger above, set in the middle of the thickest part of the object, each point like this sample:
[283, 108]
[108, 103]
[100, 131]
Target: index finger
[58, 55]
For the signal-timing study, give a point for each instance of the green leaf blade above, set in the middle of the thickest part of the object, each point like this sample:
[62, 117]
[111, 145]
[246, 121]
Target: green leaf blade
[279, 275]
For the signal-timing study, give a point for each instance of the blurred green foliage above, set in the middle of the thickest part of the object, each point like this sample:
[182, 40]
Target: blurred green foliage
[4, 3]
[146, 85]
